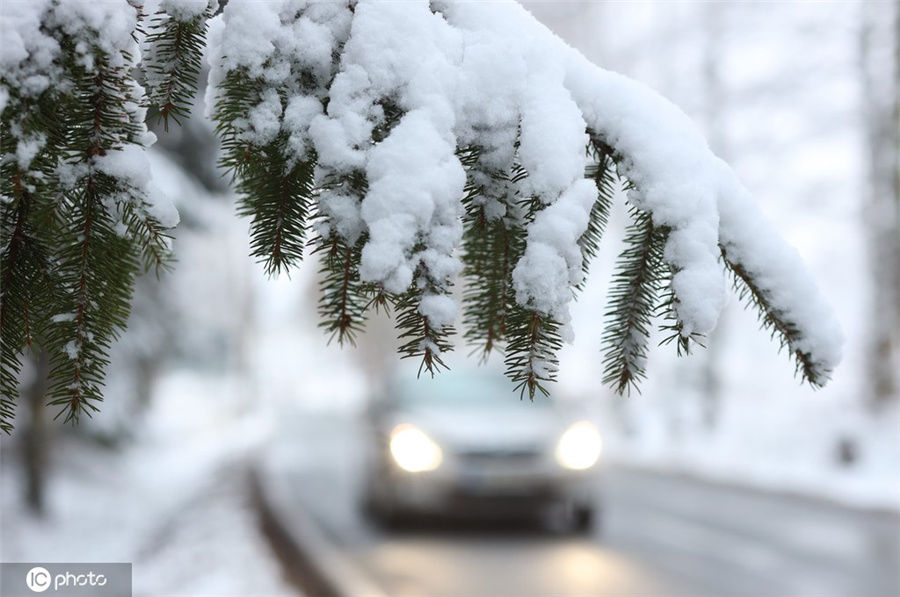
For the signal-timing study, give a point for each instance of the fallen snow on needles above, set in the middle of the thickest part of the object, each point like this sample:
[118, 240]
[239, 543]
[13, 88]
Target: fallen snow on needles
[461, 74]
[489, 74]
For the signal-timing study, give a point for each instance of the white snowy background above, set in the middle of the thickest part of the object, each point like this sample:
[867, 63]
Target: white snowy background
[240, 351]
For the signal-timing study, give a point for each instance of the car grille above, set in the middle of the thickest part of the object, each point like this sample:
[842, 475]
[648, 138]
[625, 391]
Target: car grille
[500, 457]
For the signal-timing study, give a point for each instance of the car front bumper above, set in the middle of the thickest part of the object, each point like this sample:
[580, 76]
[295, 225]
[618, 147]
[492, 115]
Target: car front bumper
[480, 492]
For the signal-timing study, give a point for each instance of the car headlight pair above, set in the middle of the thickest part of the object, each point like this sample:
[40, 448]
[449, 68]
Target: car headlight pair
[413, 451]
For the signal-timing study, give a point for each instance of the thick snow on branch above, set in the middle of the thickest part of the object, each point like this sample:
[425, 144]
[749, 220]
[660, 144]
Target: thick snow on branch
[552, 261]
[685, 187]
[413, 208]
[32, 63]
[488, 75]
[749, 240]
[30, 55]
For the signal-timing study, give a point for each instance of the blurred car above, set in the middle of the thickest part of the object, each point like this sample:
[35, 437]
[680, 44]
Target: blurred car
[464, 443]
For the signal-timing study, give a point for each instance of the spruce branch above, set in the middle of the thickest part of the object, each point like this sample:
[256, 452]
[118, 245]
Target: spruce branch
[275, 191]
[602, 170]
[25, 296]
[420, 338]
[277, 197]
[77, 224]
[493, 241]
[606, 166]
[98, 267]
[27, 226]
[344, 298]
[531, 351]
[634, 296]
[106, 229]
[533, 338]
[173, 54]
[497, 214]
[94, 299]
[672, 326]
[779, 326]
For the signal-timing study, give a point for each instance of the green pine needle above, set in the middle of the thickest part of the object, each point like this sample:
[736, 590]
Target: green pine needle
[780, 328]
[493, 242]
[531, 352]
[173, 60]
[344, 299]
[634, 294]
[419, 338]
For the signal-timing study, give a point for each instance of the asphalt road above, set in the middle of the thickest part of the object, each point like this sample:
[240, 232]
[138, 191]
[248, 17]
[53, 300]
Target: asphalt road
[661, 535]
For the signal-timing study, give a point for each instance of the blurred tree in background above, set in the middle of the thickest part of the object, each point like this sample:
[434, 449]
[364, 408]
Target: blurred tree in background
[879, 68]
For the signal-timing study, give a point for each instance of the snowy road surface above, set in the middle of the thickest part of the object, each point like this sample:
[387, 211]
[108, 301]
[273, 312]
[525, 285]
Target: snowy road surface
[661, 536]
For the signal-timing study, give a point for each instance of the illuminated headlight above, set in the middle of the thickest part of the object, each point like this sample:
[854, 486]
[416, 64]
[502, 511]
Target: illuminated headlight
[579, 447]
[413, 451]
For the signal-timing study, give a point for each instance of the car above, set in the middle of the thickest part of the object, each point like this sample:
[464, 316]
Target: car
[464, 443]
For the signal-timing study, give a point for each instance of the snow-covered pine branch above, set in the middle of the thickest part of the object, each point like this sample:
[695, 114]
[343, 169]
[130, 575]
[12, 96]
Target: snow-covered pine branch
[79, 214]
[173, 54]
[420, 141]
[486, 77]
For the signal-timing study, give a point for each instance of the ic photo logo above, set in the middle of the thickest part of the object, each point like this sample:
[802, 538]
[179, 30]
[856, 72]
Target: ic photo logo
[38, 579]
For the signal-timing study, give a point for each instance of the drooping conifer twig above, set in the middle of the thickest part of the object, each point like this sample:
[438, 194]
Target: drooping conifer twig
[633, 297]
[173, 57]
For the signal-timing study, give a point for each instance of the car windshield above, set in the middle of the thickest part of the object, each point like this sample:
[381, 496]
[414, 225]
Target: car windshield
[460, 390]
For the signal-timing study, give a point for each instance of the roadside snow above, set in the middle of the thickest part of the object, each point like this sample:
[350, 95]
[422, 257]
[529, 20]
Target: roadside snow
[794, 450]
[174, 502]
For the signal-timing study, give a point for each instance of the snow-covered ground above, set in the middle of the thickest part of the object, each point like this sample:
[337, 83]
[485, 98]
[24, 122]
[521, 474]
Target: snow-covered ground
[174, 502]
[791, 449]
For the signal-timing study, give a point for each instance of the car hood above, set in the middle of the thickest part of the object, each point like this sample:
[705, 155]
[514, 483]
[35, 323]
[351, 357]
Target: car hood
[506, 429]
